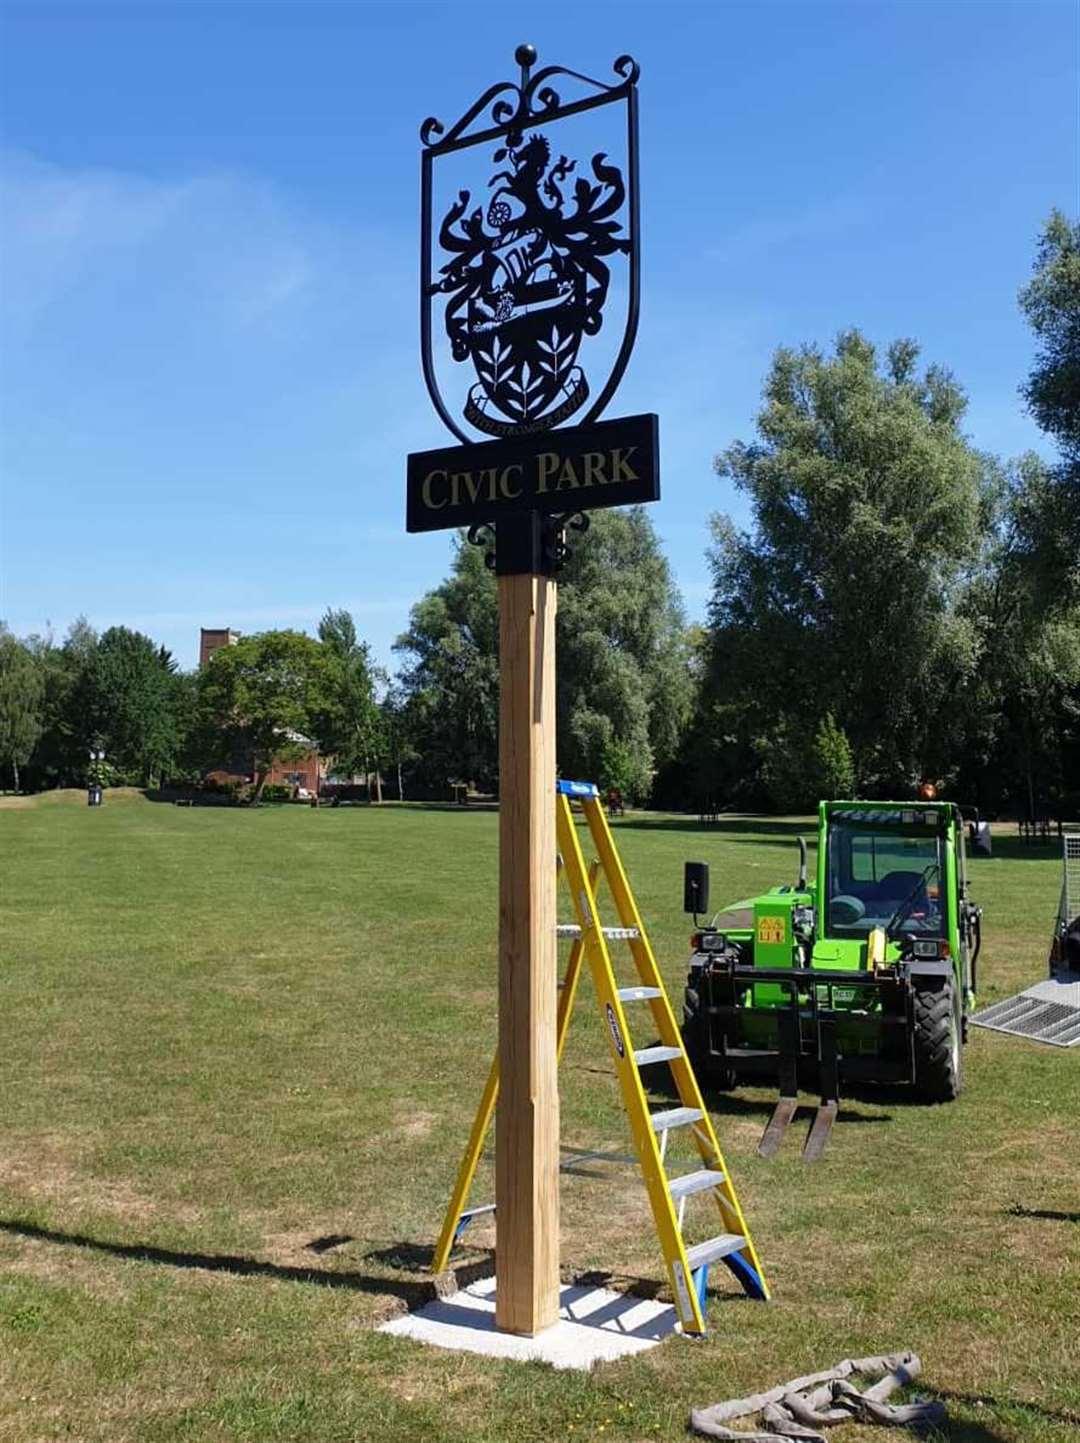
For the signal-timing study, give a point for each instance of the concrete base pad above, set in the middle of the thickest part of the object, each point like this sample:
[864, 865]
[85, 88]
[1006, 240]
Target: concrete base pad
[593, 1325]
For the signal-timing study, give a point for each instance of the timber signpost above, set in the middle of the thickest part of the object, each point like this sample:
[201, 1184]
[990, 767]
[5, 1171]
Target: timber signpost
[516, 284]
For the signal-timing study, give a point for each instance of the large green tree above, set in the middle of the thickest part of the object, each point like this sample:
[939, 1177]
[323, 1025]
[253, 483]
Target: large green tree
[450, 676]
[624, 690]
[1051, 303]
[22, 699]
[1026, 601]
[868, 509]
[1022, 700]
[351, 723]
[263, 697]
[60, 757]
[129, 701]
[397, 733]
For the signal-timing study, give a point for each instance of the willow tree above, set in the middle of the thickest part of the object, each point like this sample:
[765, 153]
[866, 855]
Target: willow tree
[868, 508]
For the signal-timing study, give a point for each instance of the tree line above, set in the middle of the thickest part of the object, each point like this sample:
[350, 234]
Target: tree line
[903, 607]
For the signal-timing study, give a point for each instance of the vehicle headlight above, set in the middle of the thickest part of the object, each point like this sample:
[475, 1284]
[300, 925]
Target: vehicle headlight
[712, 942]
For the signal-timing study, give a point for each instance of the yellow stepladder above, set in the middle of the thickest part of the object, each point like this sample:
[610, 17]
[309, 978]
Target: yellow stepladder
[687, 1264]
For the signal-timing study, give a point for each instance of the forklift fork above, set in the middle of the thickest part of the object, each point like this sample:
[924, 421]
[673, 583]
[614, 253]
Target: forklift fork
[788, 1049]
[788, 1067]
[829, 1069]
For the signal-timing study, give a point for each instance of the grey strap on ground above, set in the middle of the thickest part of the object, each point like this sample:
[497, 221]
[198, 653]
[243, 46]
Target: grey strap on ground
[801, 1408]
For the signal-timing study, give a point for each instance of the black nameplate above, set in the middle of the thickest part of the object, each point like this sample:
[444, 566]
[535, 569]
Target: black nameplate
[611, 463]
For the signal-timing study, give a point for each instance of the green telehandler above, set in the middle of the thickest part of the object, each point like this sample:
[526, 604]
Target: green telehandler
[865, 975]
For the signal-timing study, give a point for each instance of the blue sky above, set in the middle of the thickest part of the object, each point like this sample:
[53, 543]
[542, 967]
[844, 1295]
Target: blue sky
[209, 251]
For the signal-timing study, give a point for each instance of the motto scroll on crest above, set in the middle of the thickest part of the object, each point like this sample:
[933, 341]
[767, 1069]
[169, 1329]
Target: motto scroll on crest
[529, 262]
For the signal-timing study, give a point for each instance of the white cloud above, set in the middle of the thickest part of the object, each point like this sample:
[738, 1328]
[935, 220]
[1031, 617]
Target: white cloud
[225, 243]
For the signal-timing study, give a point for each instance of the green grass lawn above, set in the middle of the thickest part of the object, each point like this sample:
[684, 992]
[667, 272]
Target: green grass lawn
[240, 1055]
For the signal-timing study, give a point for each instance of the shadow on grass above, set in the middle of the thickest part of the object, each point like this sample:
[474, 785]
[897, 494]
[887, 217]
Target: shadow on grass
[759, 826]
[764, 831]
[392, 805]
[1017, 1211]
[327, 1243]
[389, 806]
[470, 1263]
[1015, 849]
[413, 1294]
[657, 1289]
[405, 1257]
[965, 1432]
[728, 1104]
[956, 1430]
[188, 798]
[734, 1104]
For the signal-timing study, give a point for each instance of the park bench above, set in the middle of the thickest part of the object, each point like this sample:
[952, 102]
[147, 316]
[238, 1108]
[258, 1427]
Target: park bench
[1039, 829]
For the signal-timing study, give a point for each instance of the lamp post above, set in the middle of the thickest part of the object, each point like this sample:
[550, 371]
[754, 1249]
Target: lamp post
[93, 780]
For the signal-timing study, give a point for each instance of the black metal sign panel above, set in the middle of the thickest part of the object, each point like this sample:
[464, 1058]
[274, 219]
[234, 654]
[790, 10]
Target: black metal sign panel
[578, 468]
[515, 273]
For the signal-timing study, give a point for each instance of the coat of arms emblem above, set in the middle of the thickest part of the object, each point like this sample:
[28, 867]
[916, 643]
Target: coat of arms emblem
[529, 256]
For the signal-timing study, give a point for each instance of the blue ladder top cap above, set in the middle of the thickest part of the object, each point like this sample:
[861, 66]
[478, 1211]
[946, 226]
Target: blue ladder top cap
[578, 789]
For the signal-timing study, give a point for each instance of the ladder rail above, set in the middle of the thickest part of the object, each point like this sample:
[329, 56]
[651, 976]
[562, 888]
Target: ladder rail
[489, 1098]
[467, 1171]
[637, 1107]
[686, 1083]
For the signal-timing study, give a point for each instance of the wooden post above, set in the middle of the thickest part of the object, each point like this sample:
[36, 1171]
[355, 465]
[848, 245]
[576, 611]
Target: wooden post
[527, 1120]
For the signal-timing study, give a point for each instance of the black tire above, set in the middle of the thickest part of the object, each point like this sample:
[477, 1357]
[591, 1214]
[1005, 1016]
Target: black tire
[938, 1044]
[696, 1041]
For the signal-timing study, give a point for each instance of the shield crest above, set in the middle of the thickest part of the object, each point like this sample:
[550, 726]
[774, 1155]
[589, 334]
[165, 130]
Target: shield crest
[516, 271]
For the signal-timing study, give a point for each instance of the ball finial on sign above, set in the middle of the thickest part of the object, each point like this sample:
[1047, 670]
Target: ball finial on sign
[525, 55]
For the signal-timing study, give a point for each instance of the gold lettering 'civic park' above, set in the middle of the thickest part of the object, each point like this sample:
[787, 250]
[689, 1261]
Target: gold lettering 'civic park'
[425, 490]
[492, 484]
[621, 470]
[594, 468]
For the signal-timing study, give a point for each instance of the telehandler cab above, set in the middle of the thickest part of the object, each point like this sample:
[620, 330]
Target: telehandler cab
[866, 974]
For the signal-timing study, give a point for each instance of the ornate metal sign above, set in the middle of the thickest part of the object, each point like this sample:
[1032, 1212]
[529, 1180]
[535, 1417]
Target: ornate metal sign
[516, 274]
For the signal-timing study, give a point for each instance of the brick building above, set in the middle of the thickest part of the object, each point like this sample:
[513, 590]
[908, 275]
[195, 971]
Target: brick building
[211, 638]
[305, 772]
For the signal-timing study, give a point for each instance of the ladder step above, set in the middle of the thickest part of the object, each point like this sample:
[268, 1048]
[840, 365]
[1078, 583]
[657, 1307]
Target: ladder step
[692, 1182]
[644, 1055]
[675, 1117]
[613, 934]
[638, 994]
[702, 1254]
[477, 1211]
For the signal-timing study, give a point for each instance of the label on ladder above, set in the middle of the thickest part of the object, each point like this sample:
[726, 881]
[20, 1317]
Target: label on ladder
[616, 1035]
[686, 1307]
